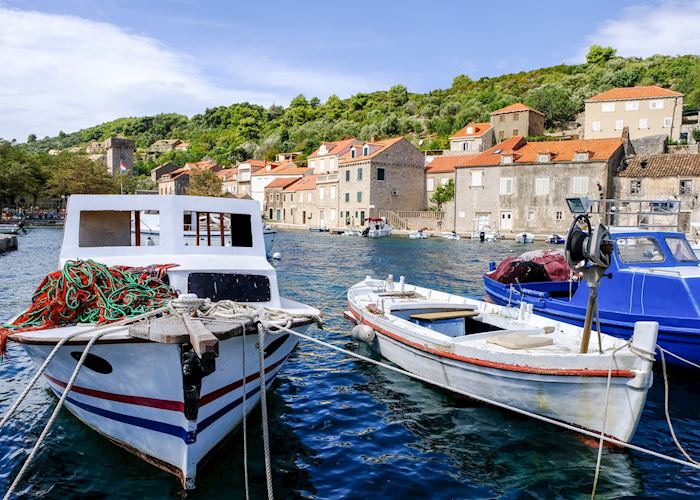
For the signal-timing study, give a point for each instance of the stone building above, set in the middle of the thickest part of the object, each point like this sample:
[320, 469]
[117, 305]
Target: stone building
[166, 145]
[473, 139]
[299, 202]
[439, 172]
[380, 175]
[519, 186]
[178, 181]
[120, 155]
[162, 169]
[645, 110]
[274, 208]
[228, 180]
[264, 176]
[516, 120]
[664, 177]
[245, 170]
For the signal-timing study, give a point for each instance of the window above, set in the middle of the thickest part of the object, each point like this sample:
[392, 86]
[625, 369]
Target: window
[656, 104]
[224, 286]
[381, 174]
[347, 197]
[477, 178]
[470, 130]
[502, 118]
[560, 215]
[680, 249]
[507, 159]
[515, 130]
[359, 174]
[595, 126]
[277, 197]
[636, 186]
[542, 186]
[359, 196]
[582, 156]
[308, 197]
[430, 185]
[347, 175]
[643, 123]
[638, 249]
[543, 157]
[464, 146]
[291, 196]
[516, 117]
[668, 121]
[686, 186]
[117, 228]
[365, 150]
[579, 185]
[332, 192]
[506, 185]
[352, 152]
[530, 215]
[608, 107]
[619, 124]
[632, 106]
[321, 193]
[208, 226]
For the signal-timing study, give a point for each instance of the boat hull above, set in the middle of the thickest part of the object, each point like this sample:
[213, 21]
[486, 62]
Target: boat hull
[143, 411]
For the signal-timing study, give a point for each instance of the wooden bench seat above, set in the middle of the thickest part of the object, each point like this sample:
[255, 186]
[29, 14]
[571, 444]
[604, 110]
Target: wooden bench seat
[436, 316]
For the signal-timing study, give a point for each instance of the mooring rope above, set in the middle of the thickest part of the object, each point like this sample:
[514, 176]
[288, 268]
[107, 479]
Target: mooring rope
[245, 426]
[263, 409]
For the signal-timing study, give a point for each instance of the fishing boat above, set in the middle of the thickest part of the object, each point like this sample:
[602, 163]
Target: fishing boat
[506, 355]
[154, 388]
[352, 232]
[524, 238]
[483, 232]
[149, 222]
[13, 228]
[377, 228]
[555, 239]
[318, 229]
[654, 275]
[421, 234]
[449, 235]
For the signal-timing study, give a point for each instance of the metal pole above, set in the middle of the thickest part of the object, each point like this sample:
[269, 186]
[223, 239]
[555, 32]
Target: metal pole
[221, 227]
[196, 220]
[137, 227]
[592, 299]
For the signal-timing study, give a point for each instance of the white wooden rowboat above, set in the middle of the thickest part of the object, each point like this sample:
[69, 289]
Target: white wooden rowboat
[507, 355]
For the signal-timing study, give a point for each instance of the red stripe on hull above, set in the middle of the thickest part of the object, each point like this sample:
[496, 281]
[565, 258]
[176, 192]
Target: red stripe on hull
[573, 372]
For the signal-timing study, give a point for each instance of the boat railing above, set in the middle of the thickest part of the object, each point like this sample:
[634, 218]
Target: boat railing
[639, 214]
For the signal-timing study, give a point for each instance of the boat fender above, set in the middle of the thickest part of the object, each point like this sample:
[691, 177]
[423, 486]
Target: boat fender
[363, 333]
[277, 256]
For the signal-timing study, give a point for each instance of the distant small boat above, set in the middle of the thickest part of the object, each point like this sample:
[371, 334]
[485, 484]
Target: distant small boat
[377, 228]
[418, 235]
[352, 232]
[318, 229]
[555, 239]
[449, 235]
[524, 238]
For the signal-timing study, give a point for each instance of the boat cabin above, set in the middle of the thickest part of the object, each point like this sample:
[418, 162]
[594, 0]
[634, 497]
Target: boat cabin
[220, 265]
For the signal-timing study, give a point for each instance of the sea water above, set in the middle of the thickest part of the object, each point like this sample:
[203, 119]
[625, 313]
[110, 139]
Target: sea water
[341, 428]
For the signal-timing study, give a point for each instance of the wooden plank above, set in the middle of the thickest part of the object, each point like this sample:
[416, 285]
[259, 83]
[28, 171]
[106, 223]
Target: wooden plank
[462, 313]
[203, 341]
[166, 330]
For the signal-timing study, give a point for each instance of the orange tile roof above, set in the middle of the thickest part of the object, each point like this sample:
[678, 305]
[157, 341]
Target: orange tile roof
[282, 183]
[382, 146]
[226, 172]
[664, 165]
[641, 92]
[479, 130]
[446, 164]
[304, 184]
[337, 147]
[274, 168]
[257, 163]
[518, 106]
[561, 151]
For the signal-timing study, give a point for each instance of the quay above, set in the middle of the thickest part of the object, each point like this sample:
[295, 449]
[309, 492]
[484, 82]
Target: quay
[8, 242]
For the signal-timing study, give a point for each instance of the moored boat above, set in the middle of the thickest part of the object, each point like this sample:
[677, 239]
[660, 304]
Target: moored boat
[555, 239]
[149, 387]
[377, 228]
[421, 234]
[524, 238]
[449, 235]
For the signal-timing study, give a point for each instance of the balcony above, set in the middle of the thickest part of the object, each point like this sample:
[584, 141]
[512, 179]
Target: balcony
[327, 178]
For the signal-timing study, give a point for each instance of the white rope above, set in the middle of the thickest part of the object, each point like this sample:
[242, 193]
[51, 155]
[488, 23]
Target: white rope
[274, 327]
[678, 357]
[60, 343]
[668, 415]
[52, 419]
[263, 408]
[245, 427]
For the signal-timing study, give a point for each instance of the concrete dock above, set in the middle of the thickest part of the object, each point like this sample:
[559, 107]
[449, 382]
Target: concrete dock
[7, 242]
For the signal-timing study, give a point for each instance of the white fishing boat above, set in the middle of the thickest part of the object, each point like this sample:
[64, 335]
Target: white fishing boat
[524, 238]
[352, 232]
[153, 387]
[377, 228]
[421, 234]
[10, 228]
[507, 355]
[450, 235]
[209, 226]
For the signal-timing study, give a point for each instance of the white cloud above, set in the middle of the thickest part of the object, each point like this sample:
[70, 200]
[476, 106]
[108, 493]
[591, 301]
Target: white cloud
[666, 27]
[62, 72]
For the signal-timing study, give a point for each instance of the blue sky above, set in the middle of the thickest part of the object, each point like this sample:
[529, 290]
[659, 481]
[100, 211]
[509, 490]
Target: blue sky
[71, 64]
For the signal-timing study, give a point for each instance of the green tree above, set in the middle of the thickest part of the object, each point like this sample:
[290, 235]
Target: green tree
[600, 55]
[556, 103]
[444, 193]
[31, 138]
[397, 95]
[76, 174]
[204, 182]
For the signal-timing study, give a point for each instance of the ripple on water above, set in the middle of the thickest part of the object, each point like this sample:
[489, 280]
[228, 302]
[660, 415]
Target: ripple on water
[340, 427]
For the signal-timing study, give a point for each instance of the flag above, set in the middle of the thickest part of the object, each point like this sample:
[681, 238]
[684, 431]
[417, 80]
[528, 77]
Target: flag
[122, 165]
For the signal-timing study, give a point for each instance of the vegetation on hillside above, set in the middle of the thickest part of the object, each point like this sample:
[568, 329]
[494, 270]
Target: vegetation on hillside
[239, 131]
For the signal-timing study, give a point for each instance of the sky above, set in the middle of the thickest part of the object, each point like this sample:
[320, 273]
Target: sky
[76, 63]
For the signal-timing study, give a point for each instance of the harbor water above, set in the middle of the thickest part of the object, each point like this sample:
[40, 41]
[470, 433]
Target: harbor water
[341, 428]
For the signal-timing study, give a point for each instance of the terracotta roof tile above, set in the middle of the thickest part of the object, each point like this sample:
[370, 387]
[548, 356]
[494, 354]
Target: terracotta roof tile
[666, 165]
[337, 147]
[641, 92]
[560, 151]
[518, 106]
[479, 130]
[446, 164]
[227, 174]
[282, 183]
[303, 184]
[379, 147]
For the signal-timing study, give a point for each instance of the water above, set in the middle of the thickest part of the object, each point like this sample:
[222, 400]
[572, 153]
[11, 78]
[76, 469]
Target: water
[340, 428]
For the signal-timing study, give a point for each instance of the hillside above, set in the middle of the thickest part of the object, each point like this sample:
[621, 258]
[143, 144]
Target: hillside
[242, 130]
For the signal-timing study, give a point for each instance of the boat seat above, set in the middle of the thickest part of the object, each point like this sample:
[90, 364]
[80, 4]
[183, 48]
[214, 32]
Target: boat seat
[436, 316]
[520, 340]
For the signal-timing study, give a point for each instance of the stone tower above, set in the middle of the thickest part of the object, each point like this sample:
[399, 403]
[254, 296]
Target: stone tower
[120, 151]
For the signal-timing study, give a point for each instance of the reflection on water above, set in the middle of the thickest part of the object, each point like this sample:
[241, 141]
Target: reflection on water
[342, 428]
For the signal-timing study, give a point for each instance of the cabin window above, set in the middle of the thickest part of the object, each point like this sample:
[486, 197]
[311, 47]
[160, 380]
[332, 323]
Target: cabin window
[680, 249]
[215, 229]
[224, 286]
[639, 249]
[118, 228]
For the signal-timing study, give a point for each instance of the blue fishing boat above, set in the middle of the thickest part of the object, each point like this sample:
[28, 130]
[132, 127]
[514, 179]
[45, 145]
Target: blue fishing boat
[654, 275]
